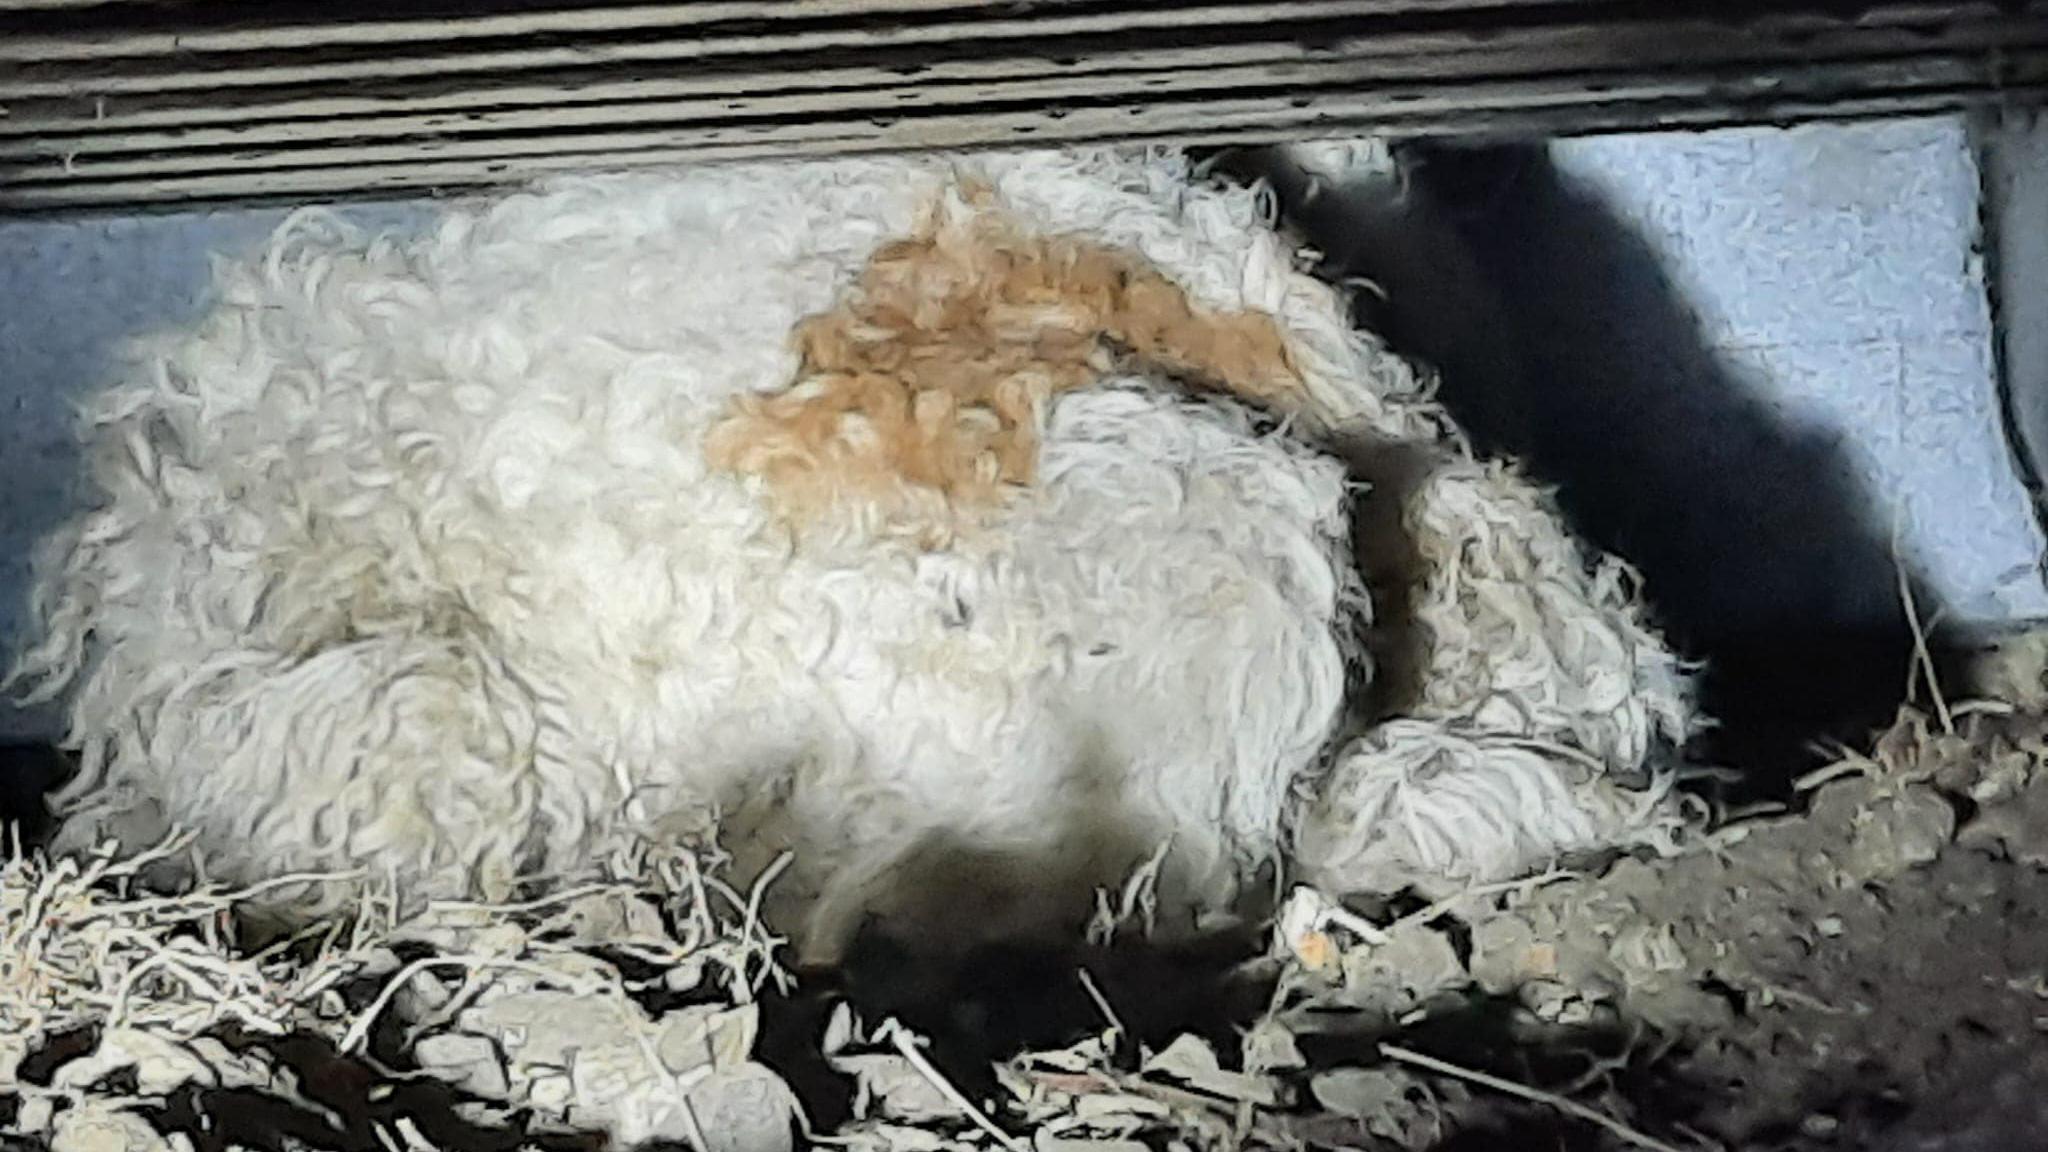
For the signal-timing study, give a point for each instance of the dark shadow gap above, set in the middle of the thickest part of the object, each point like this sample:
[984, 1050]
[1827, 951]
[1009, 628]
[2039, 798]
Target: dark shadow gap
[28, 774]
[1561, 340]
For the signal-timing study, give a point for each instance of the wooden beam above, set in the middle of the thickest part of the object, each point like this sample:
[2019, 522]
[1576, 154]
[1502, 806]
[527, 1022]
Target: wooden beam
[135, 102]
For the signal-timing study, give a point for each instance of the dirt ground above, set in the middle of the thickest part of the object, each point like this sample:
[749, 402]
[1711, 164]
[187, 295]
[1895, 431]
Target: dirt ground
[1869, 971]
[1866, 968]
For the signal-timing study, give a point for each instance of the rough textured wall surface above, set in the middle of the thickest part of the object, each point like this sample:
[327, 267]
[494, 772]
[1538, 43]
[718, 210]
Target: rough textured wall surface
[1837, 268]
[2012, 146]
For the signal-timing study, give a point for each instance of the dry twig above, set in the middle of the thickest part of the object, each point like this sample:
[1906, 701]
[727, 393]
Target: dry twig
[1570, 1108]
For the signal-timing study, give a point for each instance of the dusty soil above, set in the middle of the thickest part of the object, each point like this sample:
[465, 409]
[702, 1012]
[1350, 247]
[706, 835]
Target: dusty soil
[1870, 971]
[1865, 968]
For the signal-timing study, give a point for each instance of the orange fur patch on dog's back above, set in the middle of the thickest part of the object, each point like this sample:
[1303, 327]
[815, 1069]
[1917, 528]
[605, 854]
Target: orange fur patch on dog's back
[927, 387]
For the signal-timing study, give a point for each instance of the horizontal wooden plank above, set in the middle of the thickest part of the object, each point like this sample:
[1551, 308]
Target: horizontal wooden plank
[532, 109]
[276, 142]
[1555, 106]
[322, 63]
[410, 180]
[293, 105]
[443, 106]
[56, 5]
[105, 44]
[1643, 43]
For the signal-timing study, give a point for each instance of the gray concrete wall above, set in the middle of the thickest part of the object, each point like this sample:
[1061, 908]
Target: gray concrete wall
[2012, 147]
[1836, 270]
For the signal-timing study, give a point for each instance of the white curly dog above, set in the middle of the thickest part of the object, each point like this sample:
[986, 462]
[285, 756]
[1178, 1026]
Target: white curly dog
[421, 556]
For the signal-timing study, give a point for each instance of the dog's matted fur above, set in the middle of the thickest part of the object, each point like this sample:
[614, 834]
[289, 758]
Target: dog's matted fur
[921, 516]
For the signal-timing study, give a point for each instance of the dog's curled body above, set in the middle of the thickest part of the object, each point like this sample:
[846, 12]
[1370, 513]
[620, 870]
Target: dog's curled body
[443, 558]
